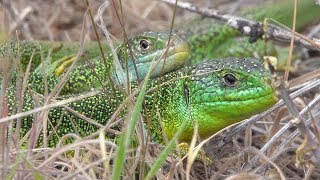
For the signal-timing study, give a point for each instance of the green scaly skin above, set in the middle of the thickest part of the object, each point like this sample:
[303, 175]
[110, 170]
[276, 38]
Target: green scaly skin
[82, 78]
[210, 39]
[56, 51]
[202, 94]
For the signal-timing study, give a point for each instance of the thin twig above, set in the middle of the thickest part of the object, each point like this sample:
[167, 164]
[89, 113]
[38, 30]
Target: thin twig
[248, 27]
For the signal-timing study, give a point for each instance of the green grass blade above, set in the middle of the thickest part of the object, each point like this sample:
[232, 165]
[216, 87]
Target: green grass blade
[157, 165]
[127, 134]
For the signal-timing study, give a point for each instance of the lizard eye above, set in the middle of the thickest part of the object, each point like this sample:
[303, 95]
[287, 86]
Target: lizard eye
[144, 44]
[230, 79]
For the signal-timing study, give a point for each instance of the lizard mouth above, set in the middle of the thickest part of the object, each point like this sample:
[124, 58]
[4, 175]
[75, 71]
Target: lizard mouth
[248, 101]
[178, 54]
[256, 101]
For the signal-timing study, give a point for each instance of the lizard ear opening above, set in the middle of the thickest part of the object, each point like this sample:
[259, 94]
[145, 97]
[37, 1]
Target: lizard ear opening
[186, 93]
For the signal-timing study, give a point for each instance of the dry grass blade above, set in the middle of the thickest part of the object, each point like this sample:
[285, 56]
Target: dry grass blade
[101, 50]
[300, 38]
[304, 78]
[256, 151]
[192, 152]
[276, 127]
[286, 73]
[315, 127]
[57, 152]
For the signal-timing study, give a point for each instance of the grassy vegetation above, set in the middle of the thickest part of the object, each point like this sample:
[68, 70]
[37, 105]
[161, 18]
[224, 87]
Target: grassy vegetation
[132, 155]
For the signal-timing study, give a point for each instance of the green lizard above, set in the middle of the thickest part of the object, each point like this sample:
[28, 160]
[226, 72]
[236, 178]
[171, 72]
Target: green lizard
[203, 94]
[207, 40]
[147, 49]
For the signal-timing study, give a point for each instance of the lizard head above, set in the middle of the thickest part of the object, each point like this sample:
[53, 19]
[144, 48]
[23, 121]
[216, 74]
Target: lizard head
[218, 93]
[152, 48]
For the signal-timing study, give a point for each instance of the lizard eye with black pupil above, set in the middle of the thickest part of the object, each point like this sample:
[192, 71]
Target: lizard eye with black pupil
[230, 79]
[144, 44]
